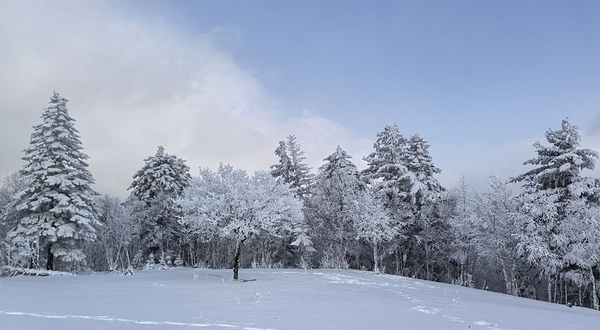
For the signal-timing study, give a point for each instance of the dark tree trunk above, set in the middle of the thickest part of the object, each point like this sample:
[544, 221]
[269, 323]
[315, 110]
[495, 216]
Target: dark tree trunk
[236, 259]
[50, 259]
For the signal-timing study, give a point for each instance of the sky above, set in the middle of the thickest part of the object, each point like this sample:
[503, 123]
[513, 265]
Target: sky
[224, 81]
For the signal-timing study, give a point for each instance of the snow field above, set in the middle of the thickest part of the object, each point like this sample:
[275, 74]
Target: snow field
[277, 300]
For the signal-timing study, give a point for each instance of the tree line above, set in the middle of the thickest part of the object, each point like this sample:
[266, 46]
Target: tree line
[542, 242]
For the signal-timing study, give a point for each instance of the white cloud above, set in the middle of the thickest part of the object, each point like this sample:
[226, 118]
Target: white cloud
[135, 84]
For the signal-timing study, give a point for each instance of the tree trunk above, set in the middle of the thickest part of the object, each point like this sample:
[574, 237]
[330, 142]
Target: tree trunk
[558, 293]
[549, 288]
[50, 259]
[375, 259]
[595, 303]
[507, 280]
[397, 262]
[236, 259]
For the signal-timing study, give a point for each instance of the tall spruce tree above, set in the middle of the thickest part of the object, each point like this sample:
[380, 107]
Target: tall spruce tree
[423, 186]
[56, 210]
[550, 190]
[154, 190]
[386, 170]
[291, 167]
[331, 209]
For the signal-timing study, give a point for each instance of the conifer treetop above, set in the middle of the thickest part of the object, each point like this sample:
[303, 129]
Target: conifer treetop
[560, 163]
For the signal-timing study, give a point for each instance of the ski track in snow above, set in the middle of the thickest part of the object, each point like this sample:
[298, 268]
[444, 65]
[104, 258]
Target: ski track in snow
[400, 282]
[130, 321]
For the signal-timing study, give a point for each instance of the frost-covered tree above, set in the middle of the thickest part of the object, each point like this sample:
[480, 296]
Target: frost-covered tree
[230, 204]
[11, 185]
[9, 189]
[387, 171]
[56, 209]
[464, 221]
[420, 194]
[154, 189]
[497, 232]
[331, 208]
[372, 223]
[119, 230]
[580, 235]
[550, 190]
[283, 169]
[403, 175]
[291, 167]
[423, 187]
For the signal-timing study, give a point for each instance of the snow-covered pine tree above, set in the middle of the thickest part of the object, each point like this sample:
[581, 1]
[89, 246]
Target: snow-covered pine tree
[547, 196]
[331, 208]
[423, 186]
[581, 229]
[282, 170]
[57, 208]
[154, 190]
[387, 171]
[291, 167]
[421, 192]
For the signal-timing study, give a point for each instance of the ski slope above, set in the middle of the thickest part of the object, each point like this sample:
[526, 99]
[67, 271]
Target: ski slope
[279, 299]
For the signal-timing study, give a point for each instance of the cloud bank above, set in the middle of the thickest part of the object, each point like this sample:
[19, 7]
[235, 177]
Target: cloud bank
[134, 84]
[137, 80]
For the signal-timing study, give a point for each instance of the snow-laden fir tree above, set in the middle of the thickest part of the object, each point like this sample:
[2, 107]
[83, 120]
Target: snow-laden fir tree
[580, 230]
[420, 193]
[549, 191]
[423, 187]
[283, 169]
[56, 210]
[331, 208]
[291, 167]
[292, 170]
[386, 168]
[154, 190]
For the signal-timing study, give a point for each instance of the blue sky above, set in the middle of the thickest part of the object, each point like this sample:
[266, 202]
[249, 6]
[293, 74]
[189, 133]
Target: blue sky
[452, 70]
[223, 81]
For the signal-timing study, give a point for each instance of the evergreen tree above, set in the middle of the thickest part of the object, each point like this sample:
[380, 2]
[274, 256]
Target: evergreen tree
[291, 167]
[549, 191]
[154, 190]
[423, 186]
[283, 169]
[581, 231]
[56, 209]
[387, 171]
[331, 208]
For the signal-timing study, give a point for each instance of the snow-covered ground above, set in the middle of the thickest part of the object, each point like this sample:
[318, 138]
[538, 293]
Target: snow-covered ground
[278, 299]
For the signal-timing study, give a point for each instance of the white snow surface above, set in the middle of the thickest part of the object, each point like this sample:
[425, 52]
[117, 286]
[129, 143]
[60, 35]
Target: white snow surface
[279, 299]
